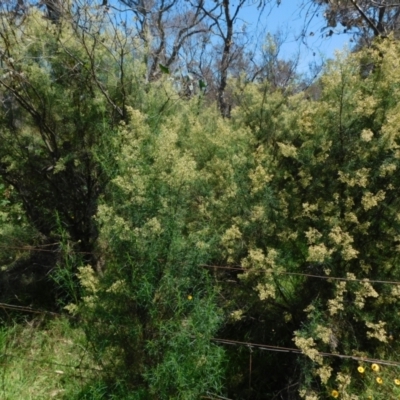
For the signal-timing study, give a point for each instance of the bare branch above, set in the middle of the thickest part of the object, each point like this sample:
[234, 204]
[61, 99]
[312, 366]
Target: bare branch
[367, 19]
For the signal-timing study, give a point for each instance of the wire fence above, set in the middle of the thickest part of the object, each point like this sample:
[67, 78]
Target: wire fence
[38, 248]
[230, 342]
[220, 267]
[220, 341]
[326, 277]
[13, 307]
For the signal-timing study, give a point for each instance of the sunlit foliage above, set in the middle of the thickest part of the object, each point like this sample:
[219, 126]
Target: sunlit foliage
[278, 226]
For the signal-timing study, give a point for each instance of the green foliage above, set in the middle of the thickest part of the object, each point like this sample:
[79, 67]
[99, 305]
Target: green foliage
[296, 200]
[323, 197]
[15, 231]
[164, 69]
[154, 306]
[64, 92]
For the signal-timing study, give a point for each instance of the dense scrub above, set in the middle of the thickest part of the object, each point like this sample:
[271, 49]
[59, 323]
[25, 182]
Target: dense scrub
[175, 228]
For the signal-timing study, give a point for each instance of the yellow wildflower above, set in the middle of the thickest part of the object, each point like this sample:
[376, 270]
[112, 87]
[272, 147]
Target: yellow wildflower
[335, 394]
[375, 367]
[361, 370]
[379, 380]
[397, 382]
[190, 297]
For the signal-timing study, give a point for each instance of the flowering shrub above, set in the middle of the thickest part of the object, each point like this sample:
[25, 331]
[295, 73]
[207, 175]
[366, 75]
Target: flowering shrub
[298, 195]
[157, 227]
[327, 208]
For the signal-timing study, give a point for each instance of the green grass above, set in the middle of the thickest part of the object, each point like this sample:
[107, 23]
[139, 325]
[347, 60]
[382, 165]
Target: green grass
[47, 360]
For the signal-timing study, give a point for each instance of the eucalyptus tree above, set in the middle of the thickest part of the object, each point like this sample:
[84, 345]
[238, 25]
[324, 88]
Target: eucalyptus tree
[200, 38]
[223, 17]
[164, 26]
[54, 9]
[365, 18]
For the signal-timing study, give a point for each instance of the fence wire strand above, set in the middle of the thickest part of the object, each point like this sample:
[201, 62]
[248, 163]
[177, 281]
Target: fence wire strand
[250, 345]
[326, 277]
[230, 342]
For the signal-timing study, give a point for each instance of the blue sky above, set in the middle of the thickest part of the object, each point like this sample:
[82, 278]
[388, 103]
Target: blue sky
[290, 18]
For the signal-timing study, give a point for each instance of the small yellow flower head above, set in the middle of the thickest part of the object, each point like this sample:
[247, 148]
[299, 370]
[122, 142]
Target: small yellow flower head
[335, 394]
[397, 382]
[379, 380]
[375, 367]
[361, 370]
[190, 297]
